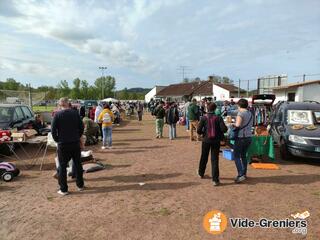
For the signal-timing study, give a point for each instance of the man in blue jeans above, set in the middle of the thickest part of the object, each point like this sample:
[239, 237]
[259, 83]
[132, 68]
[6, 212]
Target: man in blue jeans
[244, 122]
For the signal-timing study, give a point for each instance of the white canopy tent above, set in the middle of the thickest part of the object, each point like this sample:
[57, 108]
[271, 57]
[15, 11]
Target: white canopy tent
[109, 100]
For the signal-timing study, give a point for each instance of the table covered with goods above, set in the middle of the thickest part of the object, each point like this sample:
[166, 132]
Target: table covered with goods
[262, 142]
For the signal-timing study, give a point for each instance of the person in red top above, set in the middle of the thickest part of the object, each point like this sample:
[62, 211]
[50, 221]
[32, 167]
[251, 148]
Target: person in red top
[92, 112]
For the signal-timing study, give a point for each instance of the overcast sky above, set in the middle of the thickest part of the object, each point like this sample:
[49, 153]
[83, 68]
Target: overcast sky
[143, 42]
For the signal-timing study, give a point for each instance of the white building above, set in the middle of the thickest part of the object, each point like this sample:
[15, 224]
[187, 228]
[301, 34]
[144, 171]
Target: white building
[153, 92]
[223, 91]
[298, 92]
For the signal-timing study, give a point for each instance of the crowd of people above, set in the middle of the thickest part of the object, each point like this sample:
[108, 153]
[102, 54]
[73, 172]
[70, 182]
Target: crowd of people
[203, 120]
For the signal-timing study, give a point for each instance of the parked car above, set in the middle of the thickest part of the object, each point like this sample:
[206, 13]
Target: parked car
[88, 103]
[15, 116]
[295, 127]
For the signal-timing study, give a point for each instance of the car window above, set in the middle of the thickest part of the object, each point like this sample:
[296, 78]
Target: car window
[303, 117]
[26, 112]
[5, 114]
[18, 114]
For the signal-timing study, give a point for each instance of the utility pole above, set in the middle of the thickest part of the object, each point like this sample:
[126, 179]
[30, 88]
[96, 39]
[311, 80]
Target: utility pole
[239, 88]
[184, 70]
[30, 96]
[248, 89]
[304, 77]
[102, 81]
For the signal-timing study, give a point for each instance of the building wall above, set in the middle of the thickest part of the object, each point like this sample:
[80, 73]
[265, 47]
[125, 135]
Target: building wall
[153, 92]
[303, 93]
[198, 97]
[220, 93]
[311, 92]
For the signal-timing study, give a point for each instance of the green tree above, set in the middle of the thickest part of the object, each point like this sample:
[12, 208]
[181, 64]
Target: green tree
[106, 86]
[75, 92]
[63, 89]
[84, 89]
[11, 84]
[226, 80]
[134, 96]
[124, 94]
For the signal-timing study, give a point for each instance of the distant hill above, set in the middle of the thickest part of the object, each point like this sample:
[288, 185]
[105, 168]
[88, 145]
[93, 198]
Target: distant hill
[138, 90]
[132, 93]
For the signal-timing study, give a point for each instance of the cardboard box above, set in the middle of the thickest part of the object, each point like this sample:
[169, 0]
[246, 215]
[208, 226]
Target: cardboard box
[29, 133]
[18, 137]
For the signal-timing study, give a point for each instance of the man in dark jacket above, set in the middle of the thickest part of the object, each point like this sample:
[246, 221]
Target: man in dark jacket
[172, 117]
[212, 128]
[159, 113]
[67, 128]
[193, 116]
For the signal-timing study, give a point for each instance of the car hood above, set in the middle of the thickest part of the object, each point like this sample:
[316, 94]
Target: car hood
[304, 132]
[4, 125]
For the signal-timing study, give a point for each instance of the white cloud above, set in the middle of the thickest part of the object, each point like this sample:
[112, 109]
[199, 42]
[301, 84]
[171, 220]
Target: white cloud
[229, 9]
[235, 25]
[66, 22]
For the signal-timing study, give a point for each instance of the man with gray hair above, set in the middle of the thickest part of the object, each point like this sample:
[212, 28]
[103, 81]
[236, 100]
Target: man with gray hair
[67, 128]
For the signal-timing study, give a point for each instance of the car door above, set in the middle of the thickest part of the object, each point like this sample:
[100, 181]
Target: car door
[28, 117]
[276, 124]
[18, 118]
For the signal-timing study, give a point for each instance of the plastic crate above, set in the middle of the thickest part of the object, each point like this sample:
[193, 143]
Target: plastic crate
[228, 154]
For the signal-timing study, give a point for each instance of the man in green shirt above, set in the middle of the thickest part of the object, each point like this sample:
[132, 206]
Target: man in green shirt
[159, 113]
[193, 116]
[91, 131]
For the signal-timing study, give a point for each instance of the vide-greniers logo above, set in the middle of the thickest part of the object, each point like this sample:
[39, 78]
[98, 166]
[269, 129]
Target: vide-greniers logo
[215, 222]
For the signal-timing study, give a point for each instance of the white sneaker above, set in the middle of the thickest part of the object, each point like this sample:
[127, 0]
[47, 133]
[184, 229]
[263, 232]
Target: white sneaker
[80, 189]
[110, 147]
[103, 147]
[62, 193]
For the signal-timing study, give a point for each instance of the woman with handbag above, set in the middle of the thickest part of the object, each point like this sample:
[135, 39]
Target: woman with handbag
[242, 139]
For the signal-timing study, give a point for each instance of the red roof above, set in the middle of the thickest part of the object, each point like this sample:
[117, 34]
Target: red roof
[205, 89]
[180, 89]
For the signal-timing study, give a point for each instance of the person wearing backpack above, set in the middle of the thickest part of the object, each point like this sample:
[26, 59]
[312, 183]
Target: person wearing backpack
[212, 128]
[106, 118]
[172, 117]
[243, 126]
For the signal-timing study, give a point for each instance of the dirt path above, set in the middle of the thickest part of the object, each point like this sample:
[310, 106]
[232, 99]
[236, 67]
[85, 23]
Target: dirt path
[171, 204]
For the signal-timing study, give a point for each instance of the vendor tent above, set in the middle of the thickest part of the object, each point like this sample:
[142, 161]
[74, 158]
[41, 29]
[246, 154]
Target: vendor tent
[110, 100]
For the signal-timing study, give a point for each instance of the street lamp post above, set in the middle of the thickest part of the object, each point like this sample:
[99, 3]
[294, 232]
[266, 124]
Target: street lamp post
[102, 81]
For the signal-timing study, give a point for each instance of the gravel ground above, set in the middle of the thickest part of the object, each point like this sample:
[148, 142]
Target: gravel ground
[170, 205]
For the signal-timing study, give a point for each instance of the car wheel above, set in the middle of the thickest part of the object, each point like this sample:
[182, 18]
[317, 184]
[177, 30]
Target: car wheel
[284, 153]
[7, 176]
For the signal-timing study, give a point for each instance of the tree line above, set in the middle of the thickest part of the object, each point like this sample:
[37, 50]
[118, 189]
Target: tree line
[214, 78]
[103, 87]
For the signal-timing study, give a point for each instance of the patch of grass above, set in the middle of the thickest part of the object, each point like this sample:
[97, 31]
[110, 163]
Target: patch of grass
[316, 194]
[43, 108]
[162, 212]
[50, 198]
